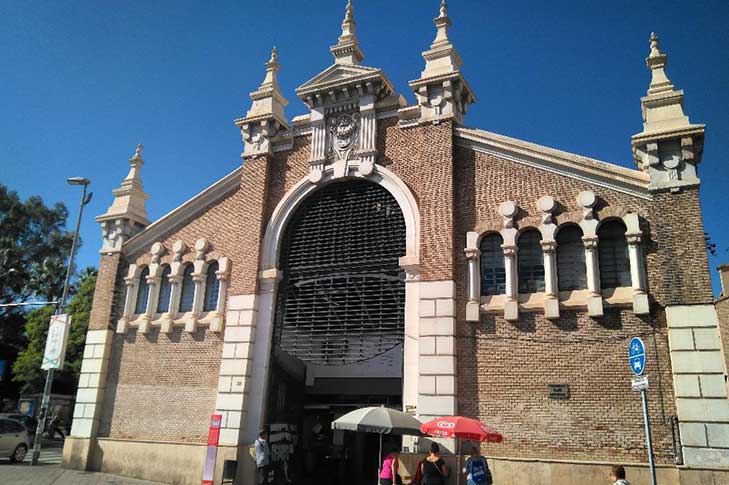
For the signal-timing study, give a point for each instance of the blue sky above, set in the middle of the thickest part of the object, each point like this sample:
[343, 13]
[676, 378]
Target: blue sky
[82, 82]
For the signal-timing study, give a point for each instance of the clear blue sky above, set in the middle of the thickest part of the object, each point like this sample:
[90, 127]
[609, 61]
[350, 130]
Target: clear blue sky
[82, 82]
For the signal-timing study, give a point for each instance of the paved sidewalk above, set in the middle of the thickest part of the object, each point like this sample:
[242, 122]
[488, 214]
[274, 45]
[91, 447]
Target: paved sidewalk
[24, 474]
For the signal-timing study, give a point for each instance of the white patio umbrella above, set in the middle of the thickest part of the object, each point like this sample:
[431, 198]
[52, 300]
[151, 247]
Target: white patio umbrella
[379, 420]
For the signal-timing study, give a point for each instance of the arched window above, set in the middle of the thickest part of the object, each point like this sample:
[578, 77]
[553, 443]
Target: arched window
[142, 292]
[612, 250]
[530, 262]
[493, 275]
[571, 273]
[165, 289]
[212, 288]
[187, 294]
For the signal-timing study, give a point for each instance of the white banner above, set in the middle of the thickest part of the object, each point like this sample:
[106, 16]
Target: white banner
[55, 352]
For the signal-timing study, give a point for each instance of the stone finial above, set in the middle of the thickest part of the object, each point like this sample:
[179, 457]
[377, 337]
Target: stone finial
[656, 62]
[347, 50]
[266, 117]
[442, 24]
[127, 215]
[442, 91]
[669, 148]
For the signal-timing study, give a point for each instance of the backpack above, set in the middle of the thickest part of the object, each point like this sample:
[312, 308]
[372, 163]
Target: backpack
[480, 472]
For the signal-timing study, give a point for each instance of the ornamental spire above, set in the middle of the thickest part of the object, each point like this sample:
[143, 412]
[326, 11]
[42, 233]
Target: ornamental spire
[127, 215]
[347, 50]
[656, 62]
[266, 117]
[442, 24]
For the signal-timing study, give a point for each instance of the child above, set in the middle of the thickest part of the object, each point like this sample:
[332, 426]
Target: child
[476, 469]
[617, 475]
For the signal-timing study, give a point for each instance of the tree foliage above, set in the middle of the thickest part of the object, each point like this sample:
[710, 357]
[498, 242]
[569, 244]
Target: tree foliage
[26, 369]
[34, 245]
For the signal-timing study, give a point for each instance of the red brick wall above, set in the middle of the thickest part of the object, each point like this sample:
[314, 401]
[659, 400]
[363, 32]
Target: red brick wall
[161, 387]
[106, 292]
[722, 309]
[504, 368]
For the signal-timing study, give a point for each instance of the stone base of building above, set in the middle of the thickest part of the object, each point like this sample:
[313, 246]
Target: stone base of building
[159, 461]
[525, 471]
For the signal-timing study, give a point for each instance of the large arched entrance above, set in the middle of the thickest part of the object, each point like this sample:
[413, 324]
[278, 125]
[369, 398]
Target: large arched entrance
[339, 325]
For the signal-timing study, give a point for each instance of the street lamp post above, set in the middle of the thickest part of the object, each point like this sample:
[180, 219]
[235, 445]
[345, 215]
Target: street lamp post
[59, 310]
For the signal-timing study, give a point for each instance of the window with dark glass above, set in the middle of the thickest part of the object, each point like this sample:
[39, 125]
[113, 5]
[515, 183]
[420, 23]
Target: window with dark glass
[165, 290]
[142, 292]
[530, 262]
[212, 288]
[187, 293]
[493, 274]
[612, 250]
[571, 273]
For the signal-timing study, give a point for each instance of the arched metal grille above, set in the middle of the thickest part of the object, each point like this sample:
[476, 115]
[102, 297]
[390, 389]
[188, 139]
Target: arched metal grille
[342, 297]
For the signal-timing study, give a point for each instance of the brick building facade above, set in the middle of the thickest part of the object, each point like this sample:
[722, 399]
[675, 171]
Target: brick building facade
[189, 315]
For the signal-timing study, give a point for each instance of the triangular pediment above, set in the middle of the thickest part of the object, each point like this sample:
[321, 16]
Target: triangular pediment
[340, 75]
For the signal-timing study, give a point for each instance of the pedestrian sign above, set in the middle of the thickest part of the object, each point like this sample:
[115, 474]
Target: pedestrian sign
[636, 356]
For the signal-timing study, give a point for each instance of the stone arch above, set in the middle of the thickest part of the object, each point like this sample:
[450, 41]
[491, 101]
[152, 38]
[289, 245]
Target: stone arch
[298, 193]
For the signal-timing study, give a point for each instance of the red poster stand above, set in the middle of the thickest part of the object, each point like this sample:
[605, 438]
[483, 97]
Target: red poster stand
[212, 453]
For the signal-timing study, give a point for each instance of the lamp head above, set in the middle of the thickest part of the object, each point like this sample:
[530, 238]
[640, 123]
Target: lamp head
[78, 181]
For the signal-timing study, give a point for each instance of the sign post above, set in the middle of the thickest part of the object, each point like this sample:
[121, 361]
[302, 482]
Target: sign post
[636, 357]
[212, 451]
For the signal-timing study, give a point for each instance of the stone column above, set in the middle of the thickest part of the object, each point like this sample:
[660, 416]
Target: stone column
[551, 300]
[473, 257]
[511, 305]
[698, 377]
[592, 266]
[637, 274]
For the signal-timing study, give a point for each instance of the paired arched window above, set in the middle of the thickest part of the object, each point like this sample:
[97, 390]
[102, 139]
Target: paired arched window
[142, 292]
[571, 272]
[530, 262]
[165, 291]
[187, 292]
[612, 250]
[493, 274]
[212, 288]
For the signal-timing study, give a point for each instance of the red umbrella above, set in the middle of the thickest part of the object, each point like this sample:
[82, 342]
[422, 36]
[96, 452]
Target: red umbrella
[461, 427]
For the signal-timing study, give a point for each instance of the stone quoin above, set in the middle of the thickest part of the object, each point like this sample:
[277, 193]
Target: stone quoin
[378, 252]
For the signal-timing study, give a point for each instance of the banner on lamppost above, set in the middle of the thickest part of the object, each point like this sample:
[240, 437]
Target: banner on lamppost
[56, 342]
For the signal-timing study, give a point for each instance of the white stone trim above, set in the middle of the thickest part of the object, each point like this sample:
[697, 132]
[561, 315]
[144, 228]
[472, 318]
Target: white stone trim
[437, 350]
[698, 371]
[614, 177]
[92, 383]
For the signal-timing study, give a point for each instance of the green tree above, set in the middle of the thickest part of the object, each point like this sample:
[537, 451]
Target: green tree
[34, 246]
[26, 369]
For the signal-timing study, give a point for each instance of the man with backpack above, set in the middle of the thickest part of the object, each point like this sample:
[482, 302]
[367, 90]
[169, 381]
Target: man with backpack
[476, 469]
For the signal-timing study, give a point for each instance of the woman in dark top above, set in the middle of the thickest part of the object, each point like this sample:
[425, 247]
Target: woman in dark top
[433, 468]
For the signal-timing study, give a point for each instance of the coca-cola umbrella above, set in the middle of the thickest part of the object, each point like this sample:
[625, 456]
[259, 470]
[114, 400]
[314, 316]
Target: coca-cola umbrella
[461, 428]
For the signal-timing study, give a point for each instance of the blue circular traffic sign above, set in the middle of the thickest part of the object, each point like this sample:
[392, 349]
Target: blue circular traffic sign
[636, 356]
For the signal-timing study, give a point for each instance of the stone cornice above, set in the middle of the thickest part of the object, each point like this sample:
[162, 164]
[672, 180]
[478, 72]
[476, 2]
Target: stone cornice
[632, 182]
[188, 209]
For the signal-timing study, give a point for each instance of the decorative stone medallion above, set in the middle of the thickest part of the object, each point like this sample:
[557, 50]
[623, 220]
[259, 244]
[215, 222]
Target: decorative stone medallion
[343, 136]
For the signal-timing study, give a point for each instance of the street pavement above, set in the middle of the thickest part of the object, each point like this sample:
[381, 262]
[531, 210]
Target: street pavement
[49, 471]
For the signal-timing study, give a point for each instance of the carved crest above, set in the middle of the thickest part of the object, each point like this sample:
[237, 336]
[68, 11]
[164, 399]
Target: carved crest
[343, 136]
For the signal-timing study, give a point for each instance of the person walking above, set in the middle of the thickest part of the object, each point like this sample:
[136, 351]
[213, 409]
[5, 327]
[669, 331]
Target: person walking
[476, 469]
[433, 469]
[389, 468]
[263, 458]
[617, 475]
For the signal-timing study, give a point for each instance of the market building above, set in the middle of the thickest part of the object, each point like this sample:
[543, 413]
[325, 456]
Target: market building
[375, 252]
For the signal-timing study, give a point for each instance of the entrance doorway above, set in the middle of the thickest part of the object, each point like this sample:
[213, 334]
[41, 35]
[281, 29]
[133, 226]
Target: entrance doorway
[338, 331]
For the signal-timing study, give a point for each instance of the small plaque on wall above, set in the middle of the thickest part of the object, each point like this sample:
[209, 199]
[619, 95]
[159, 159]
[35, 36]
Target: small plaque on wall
[559, 391]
